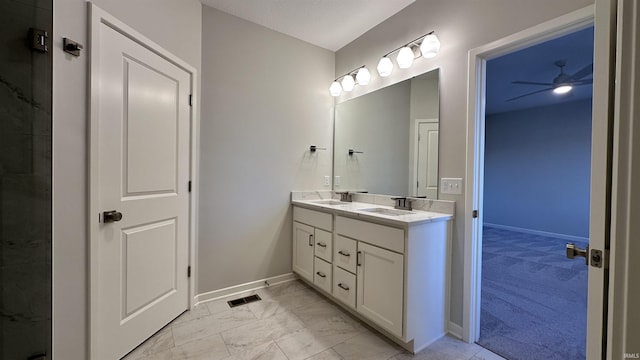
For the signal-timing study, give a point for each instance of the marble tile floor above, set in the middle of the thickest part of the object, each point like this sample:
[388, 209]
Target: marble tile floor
[291, 322]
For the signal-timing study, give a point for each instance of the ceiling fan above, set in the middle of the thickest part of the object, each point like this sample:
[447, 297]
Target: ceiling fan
[562, 83]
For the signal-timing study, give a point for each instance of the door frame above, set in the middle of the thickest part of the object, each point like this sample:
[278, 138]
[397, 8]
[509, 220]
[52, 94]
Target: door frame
[478, 57]
[98, 17]
[416, 150]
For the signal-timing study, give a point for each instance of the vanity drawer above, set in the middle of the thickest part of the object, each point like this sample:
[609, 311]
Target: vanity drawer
[323, 245]
[345, 253]
[344, 286]
[322, 274]
[380, 235]
[314, 218]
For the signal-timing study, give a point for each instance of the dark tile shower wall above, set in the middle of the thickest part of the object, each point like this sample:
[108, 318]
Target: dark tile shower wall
[25, 182]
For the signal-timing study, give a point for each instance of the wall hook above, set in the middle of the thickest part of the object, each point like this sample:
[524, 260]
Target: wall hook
[71, 47]
[313, 148]
[351, 152]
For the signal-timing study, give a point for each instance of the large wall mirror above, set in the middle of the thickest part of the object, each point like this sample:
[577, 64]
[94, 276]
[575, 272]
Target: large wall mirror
[386, 142]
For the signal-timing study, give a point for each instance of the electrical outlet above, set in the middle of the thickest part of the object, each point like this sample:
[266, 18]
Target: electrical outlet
[327, 180]
[337, 180]
[452, 186]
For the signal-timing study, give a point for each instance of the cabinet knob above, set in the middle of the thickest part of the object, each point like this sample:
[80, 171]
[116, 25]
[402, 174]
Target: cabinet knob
[343, 286]
[344, 253]
[322, 275]
[310, 239]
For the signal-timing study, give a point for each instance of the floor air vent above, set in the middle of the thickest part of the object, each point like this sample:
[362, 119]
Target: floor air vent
[244, 300]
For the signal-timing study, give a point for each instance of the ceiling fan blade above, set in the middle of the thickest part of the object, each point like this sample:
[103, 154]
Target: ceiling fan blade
[531, 93]
[587, 70]
[584, 82]
[531, 83]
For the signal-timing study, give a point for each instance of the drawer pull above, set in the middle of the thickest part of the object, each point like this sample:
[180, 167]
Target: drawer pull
[344, 253]
[310, 239]
[358, 263]
[343, 287]
[322, 275]
[321, 244]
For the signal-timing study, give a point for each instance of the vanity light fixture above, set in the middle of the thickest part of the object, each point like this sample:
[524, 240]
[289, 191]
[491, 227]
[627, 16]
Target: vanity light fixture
[426, 46]
[385, 66]
[363, 76]
[347, 82]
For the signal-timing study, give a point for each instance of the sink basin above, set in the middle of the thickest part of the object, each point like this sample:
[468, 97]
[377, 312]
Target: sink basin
[388, 212]
[330, 202]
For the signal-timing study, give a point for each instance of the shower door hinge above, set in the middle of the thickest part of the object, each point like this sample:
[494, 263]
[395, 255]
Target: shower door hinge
[38, 39]
[474, 214]
[189, 185]
[190, 100]
[188, 271]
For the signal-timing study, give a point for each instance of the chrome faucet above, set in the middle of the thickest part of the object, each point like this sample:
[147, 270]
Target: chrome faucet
[345, 196]
[402, 203]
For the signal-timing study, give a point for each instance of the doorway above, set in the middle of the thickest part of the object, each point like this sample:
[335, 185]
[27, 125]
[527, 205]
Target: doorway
[537, 163]
[604, 25]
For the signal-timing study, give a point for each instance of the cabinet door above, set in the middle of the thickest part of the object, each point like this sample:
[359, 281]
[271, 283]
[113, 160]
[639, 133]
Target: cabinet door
[303, 250]
[380, 286]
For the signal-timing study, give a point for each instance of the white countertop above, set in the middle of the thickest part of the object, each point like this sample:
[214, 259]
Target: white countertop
[354, 209]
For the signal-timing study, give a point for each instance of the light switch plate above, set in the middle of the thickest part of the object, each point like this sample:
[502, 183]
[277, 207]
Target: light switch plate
[327, 180]
[452, 186]
[337, 180]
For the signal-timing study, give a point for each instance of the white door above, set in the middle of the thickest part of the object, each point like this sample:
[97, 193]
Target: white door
[143, 124]
[427, 182]
[380, 286]
[303, 250]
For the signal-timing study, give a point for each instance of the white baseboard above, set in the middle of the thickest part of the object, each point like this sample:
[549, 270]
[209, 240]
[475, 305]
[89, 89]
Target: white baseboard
[238, 289]
[538, 232]
[455, 330]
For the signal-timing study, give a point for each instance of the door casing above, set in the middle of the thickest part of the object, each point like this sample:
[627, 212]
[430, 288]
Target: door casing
[97, 17]
[475, 158]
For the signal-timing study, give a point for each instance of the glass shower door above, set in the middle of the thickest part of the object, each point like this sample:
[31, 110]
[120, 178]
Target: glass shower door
[25, 179]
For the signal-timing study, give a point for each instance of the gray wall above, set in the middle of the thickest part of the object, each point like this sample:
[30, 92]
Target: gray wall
[537, 168]
[265, 100]
[461, 26]
[175, 25]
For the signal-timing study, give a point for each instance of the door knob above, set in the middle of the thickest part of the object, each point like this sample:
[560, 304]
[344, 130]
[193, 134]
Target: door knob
[111, 216]
[573, 251]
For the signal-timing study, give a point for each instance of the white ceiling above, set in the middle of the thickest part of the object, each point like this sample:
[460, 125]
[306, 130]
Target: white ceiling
[330, 24]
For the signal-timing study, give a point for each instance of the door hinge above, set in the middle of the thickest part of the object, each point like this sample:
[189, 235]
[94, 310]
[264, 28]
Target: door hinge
[189, 185]
[474, 214]
[188, 271]
[38, 39]
[190, 100]
[417, 184]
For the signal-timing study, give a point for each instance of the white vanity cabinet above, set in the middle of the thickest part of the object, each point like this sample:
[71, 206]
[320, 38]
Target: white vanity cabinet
[378, 267]
[312, 246]
[391, 274]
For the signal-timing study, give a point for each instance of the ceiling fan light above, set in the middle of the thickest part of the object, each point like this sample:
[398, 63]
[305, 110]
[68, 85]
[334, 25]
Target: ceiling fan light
[335, 89]
[385, 67]
[430, 46]
[363, 76]
[405, 57]
[562, 89]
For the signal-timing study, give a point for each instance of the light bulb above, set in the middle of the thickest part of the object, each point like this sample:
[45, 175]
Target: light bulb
[430, 46]
[562, 89]
[363, 76]
[348, 83]
[335, 89]
[405, 57]
[385, 67]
